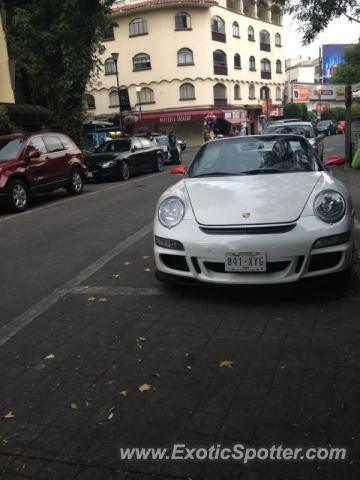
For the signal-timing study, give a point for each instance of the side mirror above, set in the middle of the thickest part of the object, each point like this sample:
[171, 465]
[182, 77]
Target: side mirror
[33, 154]
[334, 161]
[178, 170]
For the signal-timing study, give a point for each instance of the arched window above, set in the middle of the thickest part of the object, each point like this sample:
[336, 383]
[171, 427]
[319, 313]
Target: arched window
[187, 92]
[146, 95]
[278, 66]
[237, 61]
[249, 8]
[220, 94]
[233, 5]
[114, 98]
[218, 29]
[138, 26]
[278, 93]
[237, 95]
[110, 68]
[276, 15]
[252, 66]
[265, 41]
[265, 68]
[108, 32]
[263, 11]
[182, 21]
[278, 40]
[236, 30]
[141, 61]
[220, 65]
[89, 101]
[251, 91]
[185, 57]
[264, 93]
[251, 34]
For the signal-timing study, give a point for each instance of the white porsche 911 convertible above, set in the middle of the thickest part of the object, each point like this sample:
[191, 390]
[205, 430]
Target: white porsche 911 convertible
[254, 210]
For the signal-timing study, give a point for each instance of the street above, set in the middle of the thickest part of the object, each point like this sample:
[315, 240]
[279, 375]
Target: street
[84, 324]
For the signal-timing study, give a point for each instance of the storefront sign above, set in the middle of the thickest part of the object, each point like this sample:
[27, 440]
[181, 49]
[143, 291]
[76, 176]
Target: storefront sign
[179, 118]
[300, 94]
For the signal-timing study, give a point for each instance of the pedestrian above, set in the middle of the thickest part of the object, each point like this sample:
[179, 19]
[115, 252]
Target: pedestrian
[173, 148]
[206, 135]
[243, 130]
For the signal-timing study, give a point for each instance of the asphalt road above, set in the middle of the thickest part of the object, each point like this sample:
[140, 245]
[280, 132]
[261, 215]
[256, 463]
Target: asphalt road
[59, 236]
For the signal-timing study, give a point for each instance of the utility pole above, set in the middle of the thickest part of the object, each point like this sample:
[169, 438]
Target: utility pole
[348, 144]
[115, 57]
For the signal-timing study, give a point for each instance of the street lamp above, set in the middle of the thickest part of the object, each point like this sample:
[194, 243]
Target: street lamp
[115, 57]
[138, 90]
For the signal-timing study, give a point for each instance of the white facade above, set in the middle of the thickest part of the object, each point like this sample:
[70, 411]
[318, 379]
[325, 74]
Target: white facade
[197, 55]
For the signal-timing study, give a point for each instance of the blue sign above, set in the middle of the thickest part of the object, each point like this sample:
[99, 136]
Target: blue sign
[332, 56]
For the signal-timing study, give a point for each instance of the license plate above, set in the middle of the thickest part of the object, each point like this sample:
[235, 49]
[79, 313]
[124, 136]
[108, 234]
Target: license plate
[90, 175]
[245, 262]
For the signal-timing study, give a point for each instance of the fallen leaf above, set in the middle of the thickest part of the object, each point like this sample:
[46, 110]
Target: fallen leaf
[127, 263]
[115, 275]
[189, 367]
[49, 357]
[145, 387]
[74, 406]
[145, 257]
[157, 375]
[226, 364]
[91, 299]
[102, 299]
[147, 269]
[110, 416]
[141, 339]
[86, 287]
[124, 393]
[10, 414]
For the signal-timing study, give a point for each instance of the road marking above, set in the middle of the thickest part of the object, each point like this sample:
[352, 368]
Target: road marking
[117, 291]
[120, 186]
[19, 322]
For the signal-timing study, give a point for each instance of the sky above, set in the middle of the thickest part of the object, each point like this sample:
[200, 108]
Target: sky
[338, 31]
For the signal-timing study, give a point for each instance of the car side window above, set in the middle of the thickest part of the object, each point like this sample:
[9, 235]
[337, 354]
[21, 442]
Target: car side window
[68, 144]
[136, 143]
[36, 143]
[145, 143]
[53, 144]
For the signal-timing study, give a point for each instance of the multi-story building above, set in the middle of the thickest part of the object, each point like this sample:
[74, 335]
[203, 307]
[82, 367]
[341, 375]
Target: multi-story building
[298, 70]
[181, 60]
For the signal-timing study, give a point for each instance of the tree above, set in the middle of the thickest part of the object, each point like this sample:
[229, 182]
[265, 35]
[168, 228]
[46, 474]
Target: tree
[314, 16]
[355, 110]
[5, 123]
[293, 110]
[336, 114]
[349, 71]
[55, 45]
[304, 112]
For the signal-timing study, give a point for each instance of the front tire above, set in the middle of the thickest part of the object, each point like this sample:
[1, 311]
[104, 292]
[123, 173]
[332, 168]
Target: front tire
[159, 164]
[19, 196]
[76, 182]
[124, 171]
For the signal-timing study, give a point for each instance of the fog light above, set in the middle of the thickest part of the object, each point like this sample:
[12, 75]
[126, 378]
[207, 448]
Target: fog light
[331, 241]
[168, 243]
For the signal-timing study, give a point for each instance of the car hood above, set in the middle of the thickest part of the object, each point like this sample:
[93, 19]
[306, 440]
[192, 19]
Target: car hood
[96, 158]
[252, 199]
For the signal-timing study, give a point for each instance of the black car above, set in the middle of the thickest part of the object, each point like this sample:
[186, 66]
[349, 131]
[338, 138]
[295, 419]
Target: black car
[327, 127]
[121, 158]
[305, 129]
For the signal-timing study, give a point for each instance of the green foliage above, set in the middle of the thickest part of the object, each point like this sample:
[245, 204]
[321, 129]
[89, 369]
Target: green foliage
[314, 16]
[355, 110]
[304, 112]
[56, 46]
[349, 71]
[5, 123]
[336, 114]
[293, 110]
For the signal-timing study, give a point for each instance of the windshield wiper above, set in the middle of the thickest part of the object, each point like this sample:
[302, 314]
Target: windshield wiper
[257, 171]
[216, 174]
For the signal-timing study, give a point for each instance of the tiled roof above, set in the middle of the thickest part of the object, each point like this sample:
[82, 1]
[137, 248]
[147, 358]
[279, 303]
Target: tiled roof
[158, 3]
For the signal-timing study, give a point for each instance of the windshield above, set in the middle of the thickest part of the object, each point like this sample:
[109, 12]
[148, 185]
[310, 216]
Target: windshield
[9, 149]
[114, 146]
[162, 140]
[323, 124]
[254, 155]
[304, 130]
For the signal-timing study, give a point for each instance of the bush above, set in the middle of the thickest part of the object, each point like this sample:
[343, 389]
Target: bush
[355, 110]
[336, 114]
[5, 123]
[304, 112]
[293, 110]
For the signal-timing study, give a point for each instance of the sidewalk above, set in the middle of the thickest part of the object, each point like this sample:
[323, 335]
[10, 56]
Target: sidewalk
[70, 380]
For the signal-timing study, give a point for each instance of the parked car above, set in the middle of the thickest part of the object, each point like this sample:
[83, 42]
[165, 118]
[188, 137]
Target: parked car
[306, 129]
[254, 210]
[163, 142]
[326, 126]
[340, 127]
[123, 157]
[38, 162]
[182, 144]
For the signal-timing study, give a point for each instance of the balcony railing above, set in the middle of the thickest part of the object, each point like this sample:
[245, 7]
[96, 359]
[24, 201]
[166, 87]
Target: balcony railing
[266, 75]
[220, 70]
[220, 102]
[265, 47]
[218, 37]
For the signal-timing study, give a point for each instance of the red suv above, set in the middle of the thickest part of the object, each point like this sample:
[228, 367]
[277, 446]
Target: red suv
[38, 162]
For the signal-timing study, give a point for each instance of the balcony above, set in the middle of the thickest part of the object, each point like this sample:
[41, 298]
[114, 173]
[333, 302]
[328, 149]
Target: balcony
[266, 75]
[220, 70]
[265, 47]
[218, 37]
[220, 102]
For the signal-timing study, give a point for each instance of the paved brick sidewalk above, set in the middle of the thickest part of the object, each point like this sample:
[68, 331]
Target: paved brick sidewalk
[295, 378]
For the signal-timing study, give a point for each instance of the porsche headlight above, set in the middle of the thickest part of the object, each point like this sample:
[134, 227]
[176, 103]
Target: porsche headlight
[171, 212]
[329, 206]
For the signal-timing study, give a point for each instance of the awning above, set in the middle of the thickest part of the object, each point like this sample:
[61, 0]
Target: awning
[178, 116]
